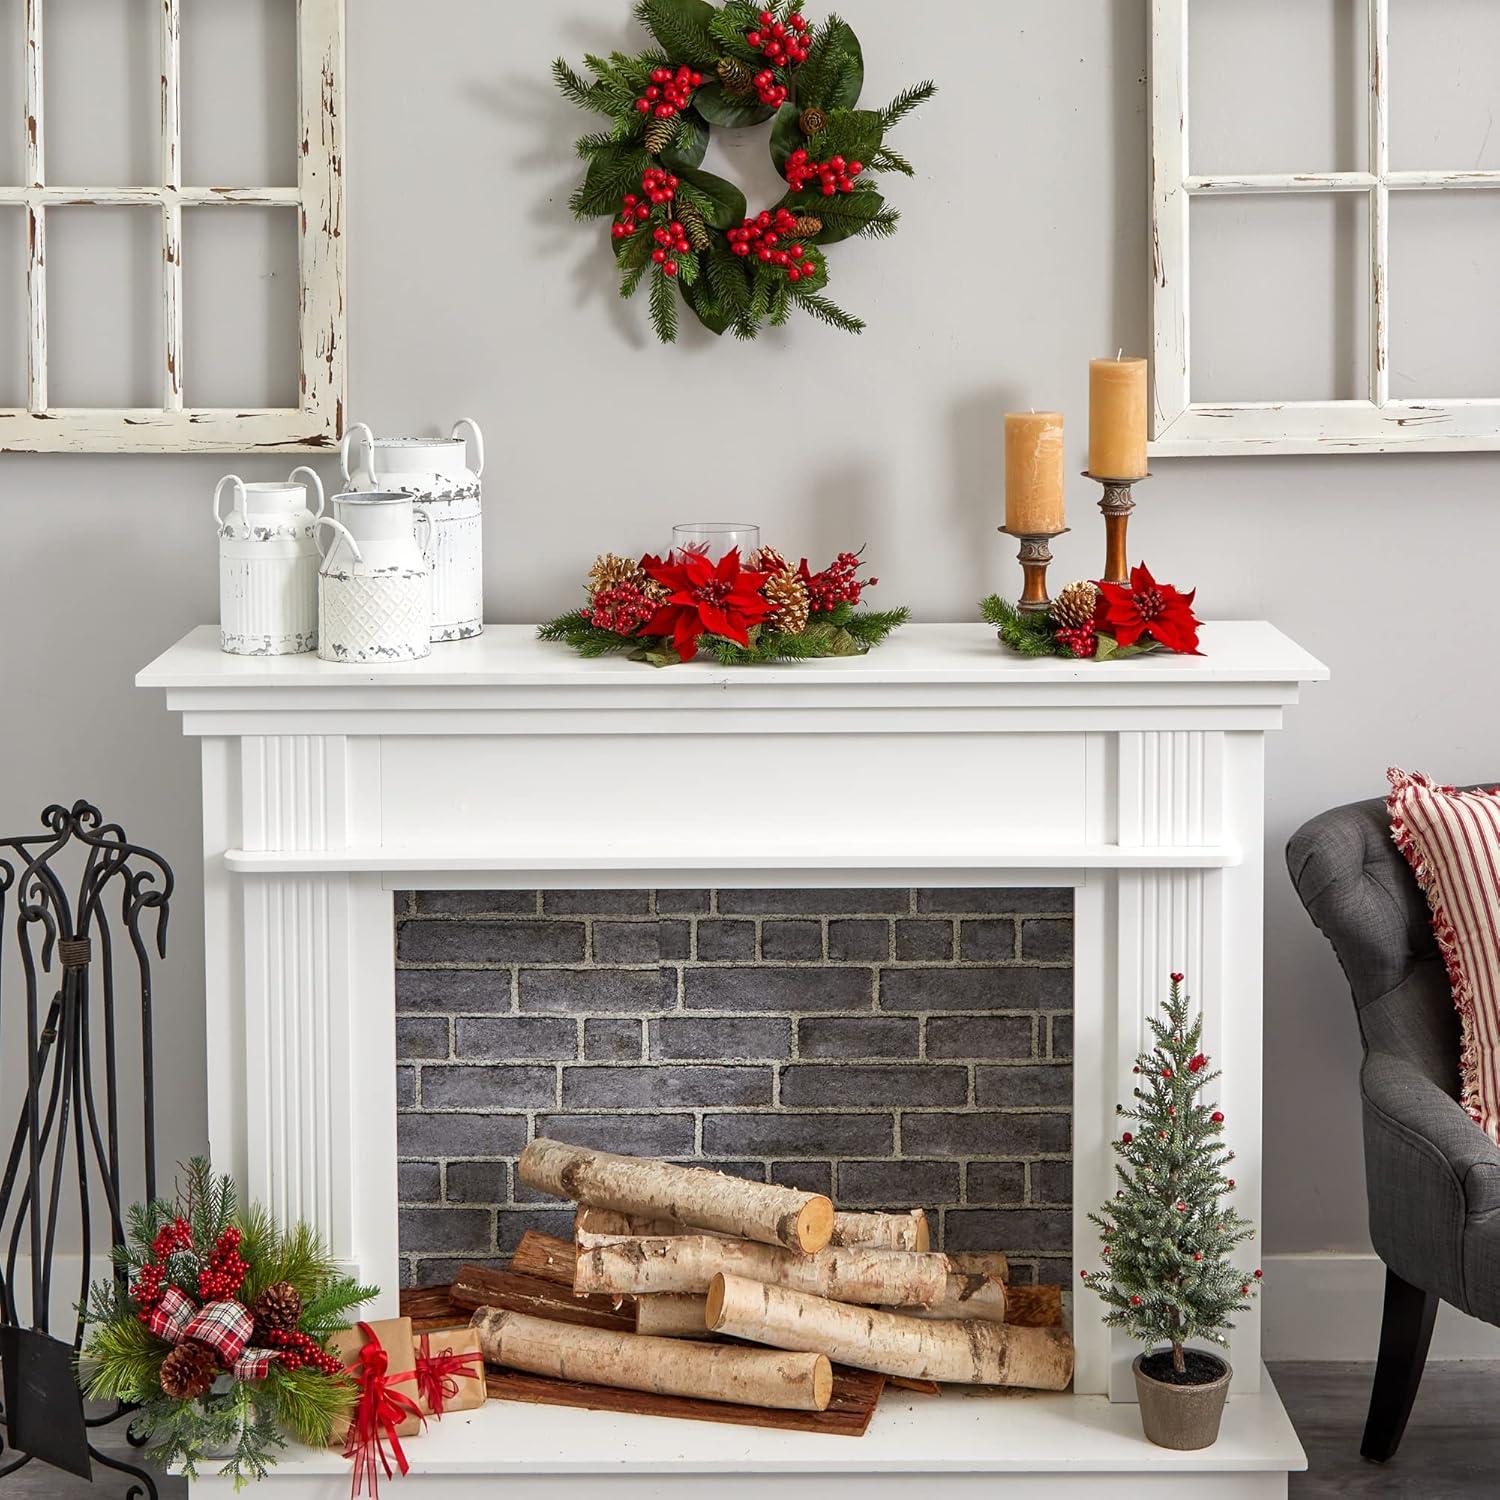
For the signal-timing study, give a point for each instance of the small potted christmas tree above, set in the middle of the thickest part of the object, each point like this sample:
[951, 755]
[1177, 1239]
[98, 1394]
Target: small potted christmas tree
[1167, 1236]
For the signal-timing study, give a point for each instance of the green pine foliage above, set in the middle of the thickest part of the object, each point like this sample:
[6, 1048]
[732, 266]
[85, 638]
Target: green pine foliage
[1168, 1233]
[730, 294]
[1025, 634]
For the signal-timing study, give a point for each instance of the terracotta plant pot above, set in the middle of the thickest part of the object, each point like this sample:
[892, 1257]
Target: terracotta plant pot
[1182, 1416]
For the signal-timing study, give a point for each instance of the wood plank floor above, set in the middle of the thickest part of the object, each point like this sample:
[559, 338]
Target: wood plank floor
[1451, 1452]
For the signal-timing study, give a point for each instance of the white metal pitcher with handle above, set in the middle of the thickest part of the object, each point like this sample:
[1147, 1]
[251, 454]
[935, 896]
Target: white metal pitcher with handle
[375, 585]
[268, 565]
[436, 473]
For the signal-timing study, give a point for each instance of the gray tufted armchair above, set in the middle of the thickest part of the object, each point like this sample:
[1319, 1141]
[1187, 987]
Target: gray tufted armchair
[1431, 1175]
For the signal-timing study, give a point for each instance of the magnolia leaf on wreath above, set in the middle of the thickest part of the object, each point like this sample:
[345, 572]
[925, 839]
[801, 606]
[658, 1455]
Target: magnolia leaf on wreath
[834, 75]
[690, 147]
[727, 205]
[683, 27]
[721, 108]
[710, 312]
[863, 212]
[786, 135]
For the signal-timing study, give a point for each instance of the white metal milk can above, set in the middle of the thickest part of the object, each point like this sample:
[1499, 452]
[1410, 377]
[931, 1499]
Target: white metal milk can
[436, 473]
[268, 566]
[375, 585]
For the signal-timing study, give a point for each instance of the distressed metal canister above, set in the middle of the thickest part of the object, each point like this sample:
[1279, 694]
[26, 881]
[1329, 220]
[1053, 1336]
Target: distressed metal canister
[375, 585]
[268, 566]
[436, 473]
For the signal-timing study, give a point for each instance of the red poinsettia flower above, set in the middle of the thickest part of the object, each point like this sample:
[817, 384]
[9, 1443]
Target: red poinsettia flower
[707, 598]
[1150, 610]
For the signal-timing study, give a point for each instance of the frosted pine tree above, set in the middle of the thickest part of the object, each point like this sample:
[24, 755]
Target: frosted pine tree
[1168, 1234]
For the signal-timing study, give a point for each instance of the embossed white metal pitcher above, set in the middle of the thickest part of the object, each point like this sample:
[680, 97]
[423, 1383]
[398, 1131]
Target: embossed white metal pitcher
[375, 585]
[268, 566]
[436, 473]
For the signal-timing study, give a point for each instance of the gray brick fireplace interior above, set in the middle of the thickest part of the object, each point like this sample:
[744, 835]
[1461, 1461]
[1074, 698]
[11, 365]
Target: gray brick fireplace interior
[895, 1048]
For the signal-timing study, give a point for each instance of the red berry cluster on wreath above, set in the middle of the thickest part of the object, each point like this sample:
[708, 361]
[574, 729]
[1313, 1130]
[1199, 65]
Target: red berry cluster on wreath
[835, 175]
[769, 91]
[784, 43]
[670, 241]
[298, 1349]
[225, 1272]
[624, 608]
[762, 235]
[669, 92]
[659, 186]
[835, 585]
[1082, 642]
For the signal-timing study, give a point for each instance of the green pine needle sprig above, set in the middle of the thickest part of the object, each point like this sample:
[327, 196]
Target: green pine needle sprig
[905, 103]
[829, 312]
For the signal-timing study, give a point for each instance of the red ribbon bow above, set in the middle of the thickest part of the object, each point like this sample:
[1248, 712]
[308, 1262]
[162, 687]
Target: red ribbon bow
[437, 1374]
[378, 1413]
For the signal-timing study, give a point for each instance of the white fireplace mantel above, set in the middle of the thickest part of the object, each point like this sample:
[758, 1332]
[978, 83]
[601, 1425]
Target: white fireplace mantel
[936, 760]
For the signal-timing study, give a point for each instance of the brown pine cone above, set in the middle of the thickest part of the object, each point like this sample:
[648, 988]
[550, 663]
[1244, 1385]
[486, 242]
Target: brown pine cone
[812, 121]
[1074, 607]
[809, 225]
[188, 1371]
[737, 77]
[659, 135]
[278, 1308]
[695, 226]
[790, 606]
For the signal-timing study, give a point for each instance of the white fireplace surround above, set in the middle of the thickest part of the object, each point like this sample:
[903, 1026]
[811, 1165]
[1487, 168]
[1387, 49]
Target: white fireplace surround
[942, 761]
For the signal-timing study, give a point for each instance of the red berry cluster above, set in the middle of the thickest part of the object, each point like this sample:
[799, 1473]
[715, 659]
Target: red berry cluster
[171, 1238]
[623, 609]
[632, 214]
[659, 187]
[761, 237]
[669, 92]
[298, 1349]
[785, 44]
[835, 175]
[224, 1274]
[670, 241]
[836, 585]
[769, 91]
[1082, 642]
[147, 1288]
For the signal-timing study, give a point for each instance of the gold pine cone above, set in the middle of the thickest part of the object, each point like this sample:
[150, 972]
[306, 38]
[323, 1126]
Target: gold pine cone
[789, 602]
[812, 121]
[1074, 607]
[769, 560]
[737, 77]
[694, 226]
[188, 1371]
[610, 571]
[809, 225]
[659, 135]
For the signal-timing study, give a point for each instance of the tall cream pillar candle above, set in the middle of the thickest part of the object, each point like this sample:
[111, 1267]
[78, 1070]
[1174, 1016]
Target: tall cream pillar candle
[1117, 418]
[1034, 456]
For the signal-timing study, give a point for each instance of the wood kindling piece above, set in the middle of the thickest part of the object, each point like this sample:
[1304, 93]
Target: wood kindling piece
[797, 1381]
[688, 1263]
[967, 1353]
[757, 1211]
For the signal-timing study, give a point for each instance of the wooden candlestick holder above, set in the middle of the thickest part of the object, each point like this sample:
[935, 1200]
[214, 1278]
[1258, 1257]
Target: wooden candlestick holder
[1117, 504]
[1036, 558]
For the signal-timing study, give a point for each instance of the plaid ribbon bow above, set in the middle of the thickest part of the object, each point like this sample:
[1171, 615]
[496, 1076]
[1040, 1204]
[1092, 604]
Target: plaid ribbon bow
[378, 1413]
[224, 1326]
[437, 1374]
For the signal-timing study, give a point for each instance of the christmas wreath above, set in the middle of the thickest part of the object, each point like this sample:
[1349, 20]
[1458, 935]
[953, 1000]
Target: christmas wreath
[735, 64]
[1101, 621]
[765, 610]
[215, 1326]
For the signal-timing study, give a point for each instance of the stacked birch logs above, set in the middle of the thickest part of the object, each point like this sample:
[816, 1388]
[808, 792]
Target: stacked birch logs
[703, 1253]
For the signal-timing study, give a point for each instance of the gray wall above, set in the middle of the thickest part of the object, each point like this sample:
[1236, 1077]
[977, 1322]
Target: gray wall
[1022, 254]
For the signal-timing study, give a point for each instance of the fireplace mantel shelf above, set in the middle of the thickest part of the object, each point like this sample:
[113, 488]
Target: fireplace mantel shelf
[937, 760]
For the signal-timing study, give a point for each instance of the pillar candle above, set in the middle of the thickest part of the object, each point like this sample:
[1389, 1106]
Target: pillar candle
[1034, 473]
[1117, 418]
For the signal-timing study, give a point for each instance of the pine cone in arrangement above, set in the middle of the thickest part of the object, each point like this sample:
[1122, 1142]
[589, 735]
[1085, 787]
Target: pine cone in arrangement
[789, 602]
[812, 121]
[769, 560]
[693, 223]
[659, 135]
[188, 1371]
[808, 225]
[737, 77]
[610, 571]
[1074, 607]
[278, 1308]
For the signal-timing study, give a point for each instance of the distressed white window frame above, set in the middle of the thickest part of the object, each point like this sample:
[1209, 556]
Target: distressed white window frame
[317, 421]
[1182, 426]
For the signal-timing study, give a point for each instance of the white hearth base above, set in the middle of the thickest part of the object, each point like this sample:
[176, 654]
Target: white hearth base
[965, 1444]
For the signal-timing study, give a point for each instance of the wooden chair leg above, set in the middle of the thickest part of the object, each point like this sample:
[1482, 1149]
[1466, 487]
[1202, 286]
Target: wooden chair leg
[1405, 1333]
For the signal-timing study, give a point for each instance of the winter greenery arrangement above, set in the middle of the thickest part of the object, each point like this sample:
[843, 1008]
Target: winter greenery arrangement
[215, 1325]
[763, 610]
[1168, 1234]
[1101, 621]
[735, 64]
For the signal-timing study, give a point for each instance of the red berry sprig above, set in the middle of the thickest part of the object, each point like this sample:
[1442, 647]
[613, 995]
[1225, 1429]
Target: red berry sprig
[147, 1289]
[632, 214]
[834, 176]
[784, 43]
[659, 186]
[623, 609]
[770, 90]
[671, 240]
[1082, 642]
[835, 585]
[225, 1272]
[762, 237]
[172, 1238]
[669, 93]
[298, 1349]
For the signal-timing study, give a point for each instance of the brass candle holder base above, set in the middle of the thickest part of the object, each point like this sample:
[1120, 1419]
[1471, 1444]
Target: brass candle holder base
[1117, 504]
[1036, 558]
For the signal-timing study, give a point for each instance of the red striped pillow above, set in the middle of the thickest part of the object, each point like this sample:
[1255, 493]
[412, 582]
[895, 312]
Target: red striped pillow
[1452, 840]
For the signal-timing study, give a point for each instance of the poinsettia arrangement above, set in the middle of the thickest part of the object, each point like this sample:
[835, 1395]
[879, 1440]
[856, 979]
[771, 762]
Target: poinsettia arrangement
[739, 611]
[215, 1325]
[1101, 621]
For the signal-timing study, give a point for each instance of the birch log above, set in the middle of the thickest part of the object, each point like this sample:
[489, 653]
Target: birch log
[972, 1353]
[688, 1263]
[965, 1296]
[672, 1315]
[882, 1231]
[980, 1263]
[756, 1211]
[668, 1367]
[593, 1227]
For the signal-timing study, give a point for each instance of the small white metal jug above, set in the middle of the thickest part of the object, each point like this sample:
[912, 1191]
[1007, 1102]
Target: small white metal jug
[375, 585]
[268, 566]
[436, 473]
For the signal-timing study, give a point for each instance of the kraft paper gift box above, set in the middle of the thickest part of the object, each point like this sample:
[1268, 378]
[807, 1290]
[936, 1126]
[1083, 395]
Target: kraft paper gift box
[395, 1337]
[450, 1371]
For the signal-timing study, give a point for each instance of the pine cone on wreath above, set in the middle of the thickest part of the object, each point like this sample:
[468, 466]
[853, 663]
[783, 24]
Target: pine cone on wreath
[790, 606]
[693, 223]
[737, 77]
[659, 135]
[812, 121]
[808, 225]
[188, 1371]
[278, 1308]
[1074, 607]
